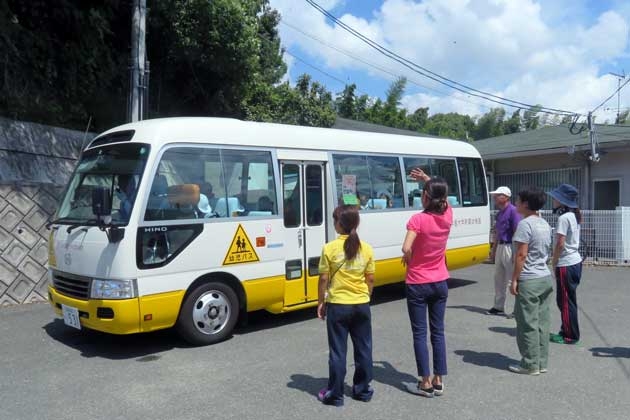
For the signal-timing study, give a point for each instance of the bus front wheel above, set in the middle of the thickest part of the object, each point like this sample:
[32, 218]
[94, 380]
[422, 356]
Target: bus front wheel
[208, 314]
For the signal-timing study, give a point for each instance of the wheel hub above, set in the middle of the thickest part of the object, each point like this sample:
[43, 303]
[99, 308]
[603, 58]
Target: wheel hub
[211, 312]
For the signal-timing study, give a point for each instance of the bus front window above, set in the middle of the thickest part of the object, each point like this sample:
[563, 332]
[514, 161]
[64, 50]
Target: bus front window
[117, 168]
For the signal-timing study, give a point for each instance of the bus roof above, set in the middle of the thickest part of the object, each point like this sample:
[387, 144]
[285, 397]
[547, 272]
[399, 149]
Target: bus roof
[226, 131]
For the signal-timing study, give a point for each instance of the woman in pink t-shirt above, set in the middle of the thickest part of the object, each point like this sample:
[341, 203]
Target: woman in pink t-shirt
[424, 254]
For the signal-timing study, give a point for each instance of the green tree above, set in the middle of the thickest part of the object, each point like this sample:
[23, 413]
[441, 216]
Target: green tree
[307, 104]
[451, 125]
[622, 117]
[211, 57]
[361, 107]
[346, 102]
[418, 120]
[60, 61]
[531, 119]
[513, 124]
[491, 124]
[391, 115]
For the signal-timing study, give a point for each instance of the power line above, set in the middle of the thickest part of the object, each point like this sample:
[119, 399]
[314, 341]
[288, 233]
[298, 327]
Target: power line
[285, 50]
[430, 74]
[611, 96]
[381, 69]
[315, 68]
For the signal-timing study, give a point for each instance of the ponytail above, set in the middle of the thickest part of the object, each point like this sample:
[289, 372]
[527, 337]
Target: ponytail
[563, 209]
[436, 190]
[352, 245]
[578, 215]
[348, 219]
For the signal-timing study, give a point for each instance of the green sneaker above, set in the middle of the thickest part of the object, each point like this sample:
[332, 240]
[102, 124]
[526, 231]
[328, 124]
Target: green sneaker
[559, 339]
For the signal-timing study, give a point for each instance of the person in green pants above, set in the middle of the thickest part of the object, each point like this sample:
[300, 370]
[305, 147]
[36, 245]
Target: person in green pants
[532, 284]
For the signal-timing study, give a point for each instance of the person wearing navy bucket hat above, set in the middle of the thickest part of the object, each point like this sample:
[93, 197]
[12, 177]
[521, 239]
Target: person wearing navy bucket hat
[566, 261]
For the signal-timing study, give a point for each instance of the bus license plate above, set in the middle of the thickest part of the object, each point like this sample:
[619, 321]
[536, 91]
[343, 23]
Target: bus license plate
[71, 316]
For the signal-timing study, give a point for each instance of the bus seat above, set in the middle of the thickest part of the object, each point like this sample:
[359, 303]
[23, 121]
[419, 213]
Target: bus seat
[259, 213]
[232, 205]
[377, 203]
[452, 200]
[157, 199]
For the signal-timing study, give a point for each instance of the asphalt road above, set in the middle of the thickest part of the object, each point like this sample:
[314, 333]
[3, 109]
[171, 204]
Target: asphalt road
[274, 367]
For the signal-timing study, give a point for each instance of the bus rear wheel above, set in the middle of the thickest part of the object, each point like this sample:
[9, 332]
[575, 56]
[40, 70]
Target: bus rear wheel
[208, 314]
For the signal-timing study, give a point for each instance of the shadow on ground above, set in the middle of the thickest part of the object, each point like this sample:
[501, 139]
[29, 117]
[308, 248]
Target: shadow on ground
[143, 347]
[474, 309]
[383, 372]
[511, 331]
[616, 352]
[486, 359]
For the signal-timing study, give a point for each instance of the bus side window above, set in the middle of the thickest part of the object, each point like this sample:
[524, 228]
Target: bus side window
[471, 177]
[249, 177]
[414, 188]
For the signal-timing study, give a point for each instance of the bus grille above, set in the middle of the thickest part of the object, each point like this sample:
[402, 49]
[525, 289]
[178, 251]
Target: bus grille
[72, 285]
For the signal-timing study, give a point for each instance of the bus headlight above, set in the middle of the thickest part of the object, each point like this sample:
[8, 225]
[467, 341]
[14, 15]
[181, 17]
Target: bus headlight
[113, 289]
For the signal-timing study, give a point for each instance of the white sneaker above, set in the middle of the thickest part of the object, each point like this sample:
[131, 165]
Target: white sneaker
[523, 371]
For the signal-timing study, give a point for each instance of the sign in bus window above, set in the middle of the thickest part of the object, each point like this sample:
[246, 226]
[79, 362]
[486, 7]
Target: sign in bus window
[377, 181]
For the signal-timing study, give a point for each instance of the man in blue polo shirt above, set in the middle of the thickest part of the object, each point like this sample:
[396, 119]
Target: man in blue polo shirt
[506, 222]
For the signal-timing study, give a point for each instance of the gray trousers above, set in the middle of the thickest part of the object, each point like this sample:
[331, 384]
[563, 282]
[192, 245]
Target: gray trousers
[503, 269]
[531, 312]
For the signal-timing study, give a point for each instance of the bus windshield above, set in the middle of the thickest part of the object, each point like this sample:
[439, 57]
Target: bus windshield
[117, 168]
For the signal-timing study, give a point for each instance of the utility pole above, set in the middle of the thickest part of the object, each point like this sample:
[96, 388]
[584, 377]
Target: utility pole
[594, 156]
[138, 80]
[619, 77]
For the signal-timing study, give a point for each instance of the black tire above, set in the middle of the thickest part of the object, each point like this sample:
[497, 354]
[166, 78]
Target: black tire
[208, 315]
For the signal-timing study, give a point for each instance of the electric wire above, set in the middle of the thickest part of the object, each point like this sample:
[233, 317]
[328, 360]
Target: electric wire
[377, 67]
[432, 75]
[610, 97]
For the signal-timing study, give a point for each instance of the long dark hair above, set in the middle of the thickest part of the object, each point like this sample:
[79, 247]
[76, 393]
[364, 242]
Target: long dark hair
[348, 218]
[563, 209]
[437, 190]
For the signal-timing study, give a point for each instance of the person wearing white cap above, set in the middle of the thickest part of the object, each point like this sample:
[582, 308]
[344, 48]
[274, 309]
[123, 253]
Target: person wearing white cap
[204, 206]
[506, 222]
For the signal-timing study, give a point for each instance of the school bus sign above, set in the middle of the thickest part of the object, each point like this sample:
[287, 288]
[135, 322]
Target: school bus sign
[241, 249]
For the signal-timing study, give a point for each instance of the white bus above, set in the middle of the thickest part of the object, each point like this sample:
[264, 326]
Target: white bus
[194, 222]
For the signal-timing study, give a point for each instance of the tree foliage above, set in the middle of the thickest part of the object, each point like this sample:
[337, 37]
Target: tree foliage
[389, 113]
[64, 61]
[308, 103]
[60, 59]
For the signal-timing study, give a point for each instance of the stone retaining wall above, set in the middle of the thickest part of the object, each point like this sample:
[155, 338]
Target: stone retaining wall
[35, 164]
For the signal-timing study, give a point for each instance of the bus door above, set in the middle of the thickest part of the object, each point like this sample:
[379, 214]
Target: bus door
[303, 194]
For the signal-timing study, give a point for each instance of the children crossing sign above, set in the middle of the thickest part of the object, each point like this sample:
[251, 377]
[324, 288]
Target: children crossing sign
[241, 249]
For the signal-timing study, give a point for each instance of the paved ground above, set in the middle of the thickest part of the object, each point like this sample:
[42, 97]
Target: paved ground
[274, 367]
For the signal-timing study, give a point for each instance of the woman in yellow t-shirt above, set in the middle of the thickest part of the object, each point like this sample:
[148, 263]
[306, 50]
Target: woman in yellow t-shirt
[346, 279]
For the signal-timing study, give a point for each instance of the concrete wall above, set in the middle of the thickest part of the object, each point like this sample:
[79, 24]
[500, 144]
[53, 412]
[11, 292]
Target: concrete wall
[35, 164]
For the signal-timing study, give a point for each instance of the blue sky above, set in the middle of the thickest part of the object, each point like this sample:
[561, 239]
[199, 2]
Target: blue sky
[554, 52]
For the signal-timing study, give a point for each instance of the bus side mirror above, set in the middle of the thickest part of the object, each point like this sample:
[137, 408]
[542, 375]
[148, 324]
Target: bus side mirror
[101, 202]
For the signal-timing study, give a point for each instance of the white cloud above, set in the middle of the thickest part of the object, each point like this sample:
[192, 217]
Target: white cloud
[530, 51]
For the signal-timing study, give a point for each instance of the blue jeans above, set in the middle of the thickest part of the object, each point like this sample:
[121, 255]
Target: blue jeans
[431, 297]
[355, 320]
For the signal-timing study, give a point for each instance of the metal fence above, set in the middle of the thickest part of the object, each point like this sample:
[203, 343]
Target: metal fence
[604, 235]
[547, 179]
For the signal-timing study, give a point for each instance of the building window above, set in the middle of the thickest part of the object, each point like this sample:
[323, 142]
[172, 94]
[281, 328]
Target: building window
[606, 195]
